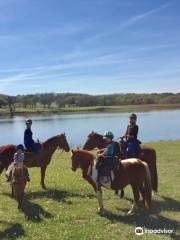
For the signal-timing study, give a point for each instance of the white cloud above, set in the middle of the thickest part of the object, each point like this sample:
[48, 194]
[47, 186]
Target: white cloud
[131, 21]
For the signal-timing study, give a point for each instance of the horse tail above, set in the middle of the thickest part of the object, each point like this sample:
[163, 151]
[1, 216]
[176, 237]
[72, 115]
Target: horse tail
[147, 187]
[154, 173]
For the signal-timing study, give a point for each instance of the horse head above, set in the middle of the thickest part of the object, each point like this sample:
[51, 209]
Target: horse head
[62, 142]
[75, 161]
[81, 159]
[94, 140]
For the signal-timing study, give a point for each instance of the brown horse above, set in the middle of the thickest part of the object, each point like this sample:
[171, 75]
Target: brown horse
[96, 140]
[18, 187]
[131, 171]
[41, 159]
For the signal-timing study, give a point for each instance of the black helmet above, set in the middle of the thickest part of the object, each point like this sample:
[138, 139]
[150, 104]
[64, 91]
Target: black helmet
[133, 116]
[28, 121]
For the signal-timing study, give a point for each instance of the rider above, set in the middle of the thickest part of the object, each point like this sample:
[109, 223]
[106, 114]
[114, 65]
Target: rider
[29, 143]
[131, 137]
[109, 155]
[18, 162]
[112, 149]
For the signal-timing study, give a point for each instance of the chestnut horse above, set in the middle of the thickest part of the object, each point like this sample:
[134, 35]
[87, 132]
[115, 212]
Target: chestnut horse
[41, 159]
[96, 140]
[18, 187]
[131, 171]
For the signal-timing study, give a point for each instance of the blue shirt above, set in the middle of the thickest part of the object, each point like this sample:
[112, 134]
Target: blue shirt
[110, 149]
[28, 140]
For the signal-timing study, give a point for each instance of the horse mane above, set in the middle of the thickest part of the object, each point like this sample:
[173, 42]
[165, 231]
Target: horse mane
[92, 134]
[51, 140]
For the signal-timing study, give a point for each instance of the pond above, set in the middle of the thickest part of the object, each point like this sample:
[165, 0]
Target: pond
[154, 126]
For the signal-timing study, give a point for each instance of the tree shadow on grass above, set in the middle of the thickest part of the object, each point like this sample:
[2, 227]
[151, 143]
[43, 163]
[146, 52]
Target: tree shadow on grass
[13, 231]
[153, 219]
[57, 195]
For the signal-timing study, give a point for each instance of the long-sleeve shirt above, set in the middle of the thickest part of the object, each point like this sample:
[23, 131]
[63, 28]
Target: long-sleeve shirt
[28, 140]
[132, 131]
[112, 150]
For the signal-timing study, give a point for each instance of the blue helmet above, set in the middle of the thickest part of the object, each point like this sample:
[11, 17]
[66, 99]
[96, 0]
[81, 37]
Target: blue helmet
[20, 147]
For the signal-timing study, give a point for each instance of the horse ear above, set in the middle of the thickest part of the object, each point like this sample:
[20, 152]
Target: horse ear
[72, 151]
[93, 131]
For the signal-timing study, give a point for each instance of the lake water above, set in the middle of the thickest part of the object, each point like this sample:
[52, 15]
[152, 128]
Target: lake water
[155, 125]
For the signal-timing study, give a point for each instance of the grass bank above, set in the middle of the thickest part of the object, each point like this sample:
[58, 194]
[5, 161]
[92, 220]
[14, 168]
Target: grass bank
[95, 109]
[67, 210]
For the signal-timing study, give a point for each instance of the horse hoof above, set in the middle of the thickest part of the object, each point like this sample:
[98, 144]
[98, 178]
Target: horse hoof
[44, 187]
[101, 210]
[20, 208]
[130, 213]
[122, 194]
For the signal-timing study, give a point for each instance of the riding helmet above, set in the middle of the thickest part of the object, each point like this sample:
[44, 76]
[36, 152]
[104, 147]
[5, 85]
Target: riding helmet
[20, 147]
[28, 121]
[133, 116]
[108, 134]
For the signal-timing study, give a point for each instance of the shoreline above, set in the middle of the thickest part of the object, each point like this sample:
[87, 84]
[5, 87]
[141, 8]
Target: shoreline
[93, 109]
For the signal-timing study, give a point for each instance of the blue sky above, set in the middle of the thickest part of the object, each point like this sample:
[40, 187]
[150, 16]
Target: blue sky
[89, 46]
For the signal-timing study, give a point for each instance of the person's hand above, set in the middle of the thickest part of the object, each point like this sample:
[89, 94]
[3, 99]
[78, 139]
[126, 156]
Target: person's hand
[100, 154]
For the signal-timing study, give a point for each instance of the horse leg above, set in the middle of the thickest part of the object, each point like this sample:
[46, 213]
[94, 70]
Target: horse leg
[12, 191]
[43, 172]
[136, 199]
[21, 200]
[93, 184]
[142, 194]
[100, 200]
[121, 194]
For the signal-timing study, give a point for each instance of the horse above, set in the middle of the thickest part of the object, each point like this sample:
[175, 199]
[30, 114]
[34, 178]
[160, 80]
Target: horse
[131, 171]
[40, 159]
[19, 185]
[95, 140]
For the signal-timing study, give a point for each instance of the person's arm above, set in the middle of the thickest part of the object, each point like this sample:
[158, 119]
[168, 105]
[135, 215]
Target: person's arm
[101, 150]
[15, 158]
[126, 133]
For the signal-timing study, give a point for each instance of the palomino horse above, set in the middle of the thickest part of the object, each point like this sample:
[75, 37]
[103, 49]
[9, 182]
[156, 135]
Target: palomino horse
[96, 140]
[41, 159]
[18, 187]
[131, 171]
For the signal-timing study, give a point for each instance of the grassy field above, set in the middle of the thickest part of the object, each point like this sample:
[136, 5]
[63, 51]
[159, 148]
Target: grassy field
[123, 108]
[67, 209]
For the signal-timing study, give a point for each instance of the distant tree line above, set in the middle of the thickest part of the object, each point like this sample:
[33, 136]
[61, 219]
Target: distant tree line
[61, 100]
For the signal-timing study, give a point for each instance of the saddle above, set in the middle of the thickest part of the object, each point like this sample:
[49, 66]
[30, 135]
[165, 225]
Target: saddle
[37, 149]
[107, 166]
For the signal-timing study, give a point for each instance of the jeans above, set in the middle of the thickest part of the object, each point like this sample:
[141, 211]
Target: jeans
[132, 148]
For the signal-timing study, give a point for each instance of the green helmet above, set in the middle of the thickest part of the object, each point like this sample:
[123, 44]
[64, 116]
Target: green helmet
[108, 134]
